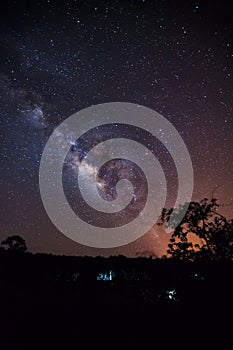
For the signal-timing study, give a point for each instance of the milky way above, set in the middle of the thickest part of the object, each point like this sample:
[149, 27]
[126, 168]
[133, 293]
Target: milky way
[175, 58]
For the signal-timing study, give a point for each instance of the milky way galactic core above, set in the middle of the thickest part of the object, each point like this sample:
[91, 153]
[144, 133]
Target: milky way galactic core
[111, 153]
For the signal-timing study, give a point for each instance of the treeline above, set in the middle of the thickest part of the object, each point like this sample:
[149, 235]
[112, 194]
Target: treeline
[29, 267]
[201, 234]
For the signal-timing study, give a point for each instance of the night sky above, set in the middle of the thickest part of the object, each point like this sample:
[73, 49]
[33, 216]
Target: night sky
[58, 58]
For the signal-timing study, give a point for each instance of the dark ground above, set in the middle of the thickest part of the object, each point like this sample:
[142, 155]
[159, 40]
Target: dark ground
[41, 311]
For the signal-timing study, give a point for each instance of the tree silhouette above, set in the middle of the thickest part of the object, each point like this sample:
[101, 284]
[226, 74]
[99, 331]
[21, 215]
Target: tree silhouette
[15, 243]
[202, 234]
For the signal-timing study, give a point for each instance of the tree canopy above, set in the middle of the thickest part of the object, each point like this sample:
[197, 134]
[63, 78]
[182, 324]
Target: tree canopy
[15, 243]
[203, 233]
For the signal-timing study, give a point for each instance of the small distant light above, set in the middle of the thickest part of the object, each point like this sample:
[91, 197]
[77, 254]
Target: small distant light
[171, 294]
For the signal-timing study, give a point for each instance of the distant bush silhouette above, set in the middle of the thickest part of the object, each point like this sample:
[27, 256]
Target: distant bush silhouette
[15, 243]
[203, 234]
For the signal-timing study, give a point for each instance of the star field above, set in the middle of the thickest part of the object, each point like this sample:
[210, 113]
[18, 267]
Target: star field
[56, 59]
